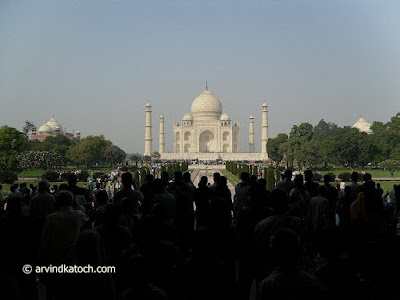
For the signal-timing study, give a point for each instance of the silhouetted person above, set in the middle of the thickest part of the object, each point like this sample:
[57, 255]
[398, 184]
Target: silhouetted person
[299, 199]
[184, 198]
[216, 176]
[242, 194]
[127, 191]
[147, 191]
[18, 246]
[43, 203]
[310, 185]
[332, 196]
[286, 184]
[80, 194]
[285, 281]
[367, 210]
[220, 210]
[89, 251]
[320, 213]
[164, 200]
[344, 207]
[101, 202]
[202, 201]
[354, 186]
[265, 229]
[186, 179]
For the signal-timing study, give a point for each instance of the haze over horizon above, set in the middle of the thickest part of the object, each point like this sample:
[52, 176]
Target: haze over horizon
[95, 64]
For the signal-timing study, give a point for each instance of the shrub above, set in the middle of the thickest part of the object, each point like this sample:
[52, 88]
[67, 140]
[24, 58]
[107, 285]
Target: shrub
[332, 175]
[270, 179]
[345, 177]
[64, 176]
[51, 176]
[8, 177]
[83, 175]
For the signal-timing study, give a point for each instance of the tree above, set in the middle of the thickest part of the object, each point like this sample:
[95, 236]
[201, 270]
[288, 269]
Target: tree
[155, 155]
[136, 157]
[391, 166]
[114, 155]
[299, 137]
[323, 130]
[378, 127]
[28, 127]
[11, 143]
[89, 150]
[275, 152]
[45, 160]
[59, 144]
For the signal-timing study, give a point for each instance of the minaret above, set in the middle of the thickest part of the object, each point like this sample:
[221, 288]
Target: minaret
[147, 136]
[161, 145]
[264, 128]
[251, 135]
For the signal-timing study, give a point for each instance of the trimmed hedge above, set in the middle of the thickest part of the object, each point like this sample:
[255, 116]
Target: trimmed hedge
[8, 177]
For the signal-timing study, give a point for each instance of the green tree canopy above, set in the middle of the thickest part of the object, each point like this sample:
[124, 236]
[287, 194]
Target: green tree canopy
[114, 155]
[391, 166]
[89, 151]
[275, 152]
[12, 142]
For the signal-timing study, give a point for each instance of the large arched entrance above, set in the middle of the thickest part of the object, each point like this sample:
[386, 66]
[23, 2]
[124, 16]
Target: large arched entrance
[206, 141]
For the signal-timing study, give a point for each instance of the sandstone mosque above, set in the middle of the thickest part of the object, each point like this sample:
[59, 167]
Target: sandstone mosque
[52, 128]
[207, 134]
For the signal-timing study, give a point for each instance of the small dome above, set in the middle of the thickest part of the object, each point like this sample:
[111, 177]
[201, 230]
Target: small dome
[206, 107]
[265, 104]
[148, 104]
[251, 117]
[45, 129]
[225, 117]
[363, 126]
[188, 117]
[53, 123]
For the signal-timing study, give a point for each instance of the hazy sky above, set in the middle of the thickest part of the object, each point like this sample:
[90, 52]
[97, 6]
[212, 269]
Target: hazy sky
[94, 64]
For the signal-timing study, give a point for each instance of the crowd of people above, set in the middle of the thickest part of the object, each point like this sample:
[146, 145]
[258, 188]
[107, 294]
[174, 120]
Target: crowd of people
[169, 239]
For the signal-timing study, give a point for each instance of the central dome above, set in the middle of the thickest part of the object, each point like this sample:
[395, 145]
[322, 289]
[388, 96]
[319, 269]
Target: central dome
[53, 123]
[206, 107]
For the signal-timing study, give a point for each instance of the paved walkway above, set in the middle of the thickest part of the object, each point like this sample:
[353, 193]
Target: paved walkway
[198, 173]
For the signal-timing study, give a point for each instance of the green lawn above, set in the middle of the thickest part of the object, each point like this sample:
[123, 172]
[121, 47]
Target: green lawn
[234, 180]
[31, 174]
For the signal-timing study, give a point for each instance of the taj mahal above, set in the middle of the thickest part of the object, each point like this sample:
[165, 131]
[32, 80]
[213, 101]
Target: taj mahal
[206, 133]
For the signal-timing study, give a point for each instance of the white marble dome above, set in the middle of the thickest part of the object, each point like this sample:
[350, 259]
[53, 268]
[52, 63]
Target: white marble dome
[225, 117]
[206, 107]
[45, 129]
[363, 126]
[53, 123]
[188, 117]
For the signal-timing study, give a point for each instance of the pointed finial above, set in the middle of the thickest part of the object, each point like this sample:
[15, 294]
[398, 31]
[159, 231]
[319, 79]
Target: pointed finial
[206, 86]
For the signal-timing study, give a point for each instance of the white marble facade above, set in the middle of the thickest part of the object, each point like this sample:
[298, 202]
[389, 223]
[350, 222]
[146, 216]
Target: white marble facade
[206, 133]
[206, 129]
